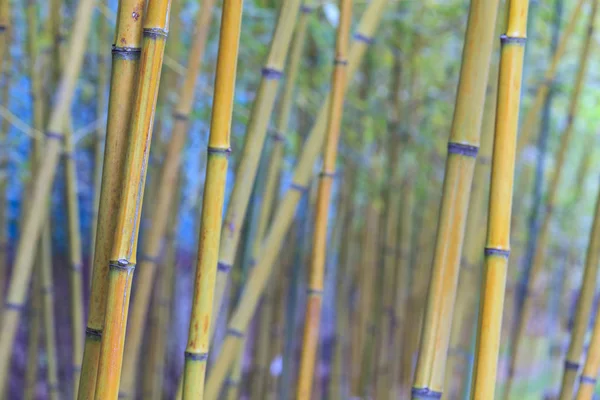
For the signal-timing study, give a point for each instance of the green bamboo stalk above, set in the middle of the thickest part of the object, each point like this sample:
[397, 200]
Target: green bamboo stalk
[539, 259]
[153, 241]
[460, 165]
[35, 219]
[262, 108]
[125, 61]
[124, 243]
[5, 33]
[283, 215]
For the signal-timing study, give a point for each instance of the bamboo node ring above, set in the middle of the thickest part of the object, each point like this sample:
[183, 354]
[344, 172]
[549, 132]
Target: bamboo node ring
[306, 9]
[271, 73]
[363, 38]
[54, 136]
[325, 174]
[126, 53]
[340, 61]
[121, 264]
[278, 136]
[177, 116]
[223, 267]
[298, 187]
[569, 365]
[219, 150]
[516, 40]
[13, 306]
[93, 333]
[587, 379]
[231, 382]
[314, 292]
[235, 333]
[425, 393]
[189, 355]
[466, 150]
[492, 251]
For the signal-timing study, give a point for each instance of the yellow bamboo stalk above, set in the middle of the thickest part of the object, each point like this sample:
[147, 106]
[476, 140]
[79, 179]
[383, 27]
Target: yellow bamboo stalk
[125, 61]
[196, 352]
[262, 108]
[539, 259]
[152, 244]
[44, 176]
[5, 33]
[587, 381]
[497, 247]
[470, 273]
[530, 119]
[284, 214]
[317, 263]
[124, 244]
[460, 164]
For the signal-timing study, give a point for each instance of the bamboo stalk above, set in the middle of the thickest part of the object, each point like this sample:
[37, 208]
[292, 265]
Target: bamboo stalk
[5, 34]
[36, 216]
[539, 259]
[529, 121]
[462, 151]
[284, 213]
[125, 61]
[500, 203]
[317, 262]
[4, 128]
[196, 352]
[262, 108]
[124, 244]
[33, 342]
[153, 241]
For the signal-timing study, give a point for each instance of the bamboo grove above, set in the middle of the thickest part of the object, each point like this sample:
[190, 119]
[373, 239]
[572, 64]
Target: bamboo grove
[299, 199]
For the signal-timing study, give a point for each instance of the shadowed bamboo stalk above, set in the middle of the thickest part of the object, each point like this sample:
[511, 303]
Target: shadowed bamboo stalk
[262, 108]
[44, 176]
[531, 117]
[497, 248]
[462, 151]
[539, 259]
[5, 33]
[153, 241]
[4, 127]
[465, 310]
[125, 61]
[124, 244]
[284, 213]
[196, 351]
[317, 263]
[33, 340]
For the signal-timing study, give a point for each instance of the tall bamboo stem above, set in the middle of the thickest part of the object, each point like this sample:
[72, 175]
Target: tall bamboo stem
[153, 241]
[44, 176]
[539, 259]
[125, 61]
[5, 33]
[5, 67]
[284, 213]
[196, 351]
[124, 243]
[497, 247]
[462, 151]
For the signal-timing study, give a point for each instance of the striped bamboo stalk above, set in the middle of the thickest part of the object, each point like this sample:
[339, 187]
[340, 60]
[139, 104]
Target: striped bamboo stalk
[284, 213]
[539, 259]
[262, 108]
[125, 61]
[44, 176]
[196, 352]
[153, 241]
[497, 247]
[531, 117]
[317, 262]
[124, 243]
[460, 165]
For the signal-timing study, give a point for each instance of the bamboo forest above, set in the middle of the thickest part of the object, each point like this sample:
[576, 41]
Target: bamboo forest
[299, 199]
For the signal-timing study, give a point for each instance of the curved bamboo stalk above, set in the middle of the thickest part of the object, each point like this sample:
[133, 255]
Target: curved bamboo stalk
[317, 263]
[153, 241]
[539, 259]
[262, 108]
[196, 351]
[465, 310]
[530, 119]
[125, 61]
[460, 164]
[284, 213]
[124, 244]
[500, 204]
[44, 176]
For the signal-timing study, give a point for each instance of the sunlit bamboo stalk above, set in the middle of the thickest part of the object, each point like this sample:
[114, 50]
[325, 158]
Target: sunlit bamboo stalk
[196, 351]
[125, 61]
[44, 176]
[152, 244]
[123, 255]
[539, 259]
[497, 248]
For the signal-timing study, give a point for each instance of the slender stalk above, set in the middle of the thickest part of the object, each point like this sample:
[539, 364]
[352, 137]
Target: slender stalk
[262, 108]
[460, 165]
[497, 247]
[33, 342]
[317, 263]
[153, 241]
[196, 352]
[125, 61]
[124, 243]
[284, 214]
[44, 176]
[4, 127]
[5, 33]
[539, 259]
